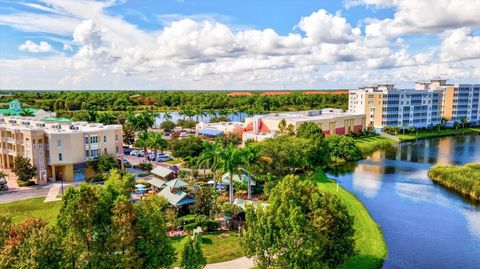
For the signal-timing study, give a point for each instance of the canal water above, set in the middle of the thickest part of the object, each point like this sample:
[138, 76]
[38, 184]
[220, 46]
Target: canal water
[424, 225]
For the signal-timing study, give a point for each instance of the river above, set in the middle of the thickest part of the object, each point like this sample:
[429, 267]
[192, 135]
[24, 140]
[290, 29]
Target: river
[424, 225]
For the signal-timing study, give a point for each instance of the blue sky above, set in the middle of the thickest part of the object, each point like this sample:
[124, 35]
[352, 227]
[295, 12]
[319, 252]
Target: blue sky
[215, 44]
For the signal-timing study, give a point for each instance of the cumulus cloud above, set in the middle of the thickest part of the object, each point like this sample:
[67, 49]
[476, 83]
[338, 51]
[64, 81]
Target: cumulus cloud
[33, 47]
[459, 44]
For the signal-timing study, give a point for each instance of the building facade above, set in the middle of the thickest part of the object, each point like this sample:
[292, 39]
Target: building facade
[429, 104]
[58, 150]
[331, 121]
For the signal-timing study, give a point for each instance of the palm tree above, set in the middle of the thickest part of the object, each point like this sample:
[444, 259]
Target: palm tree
[142, 121]
[143, 143]
[156, 142]
[92, 115]
[167, 116]
[231, 162]
[106, 118]
[26, 113]
[210, 156]
[200, 113]
[251, 159]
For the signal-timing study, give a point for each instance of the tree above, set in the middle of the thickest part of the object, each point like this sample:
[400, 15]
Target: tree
[106, 118]
[143, 121]
[282, 127]
[290, 129]
[92, 115]
[26, 113]
[300, 228]
[231, 138]
[119, 183]
[5, 226]
[343, 148]
[105, 162]
[205, 201]
[156, 142]
[252, 158]
[192, 255]
[154, 247]
[167, 116]
[190, 146]
[31, 244]
[23, 169]
[143, 143]
[128, 134]
[309, 130]
[210, 157]
[231, 161]
[167, 125]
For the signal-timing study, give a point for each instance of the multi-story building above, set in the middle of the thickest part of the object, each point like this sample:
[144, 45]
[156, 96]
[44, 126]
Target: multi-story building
[429, 104]
[58, 148]
[331, 121]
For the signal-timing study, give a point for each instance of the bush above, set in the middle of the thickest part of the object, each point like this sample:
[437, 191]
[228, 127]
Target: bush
[95, 179]
[393, 130]
[23, 183]
[145, 166]
[343, 148]
[463, 179]
[191, 222]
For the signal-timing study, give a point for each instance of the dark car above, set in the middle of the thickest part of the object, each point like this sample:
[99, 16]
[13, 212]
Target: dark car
[127, 150]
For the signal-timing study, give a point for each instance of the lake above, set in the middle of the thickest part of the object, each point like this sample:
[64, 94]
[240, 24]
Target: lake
[424, 225]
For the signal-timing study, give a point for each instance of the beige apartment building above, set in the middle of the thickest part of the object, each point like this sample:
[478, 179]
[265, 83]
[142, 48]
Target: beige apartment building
[58, 148]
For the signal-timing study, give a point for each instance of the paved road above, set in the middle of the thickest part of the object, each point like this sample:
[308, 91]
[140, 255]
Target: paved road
[15, 195]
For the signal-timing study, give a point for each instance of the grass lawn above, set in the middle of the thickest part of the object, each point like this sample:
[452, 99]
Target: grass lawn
[370, 245]
[436, 133]
[372, 143]
[34, 207]
[215, 249]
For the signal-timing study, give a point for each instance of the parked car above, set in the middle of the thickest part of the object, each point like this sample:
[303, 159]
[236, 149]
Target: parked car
[164, 158]
[137, 153]
[151, 156]
[127, 150]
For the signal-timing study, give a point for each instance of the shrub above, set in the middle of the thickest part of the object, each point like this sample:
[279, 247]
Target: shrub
[191, 222]
[23, 183]
[145, 166]
[463, 179]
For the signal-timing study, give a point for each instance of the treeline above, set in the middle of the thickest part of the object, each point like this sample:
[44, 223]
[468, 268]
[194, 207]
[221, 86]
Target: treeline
[172, 100]
[463, 179]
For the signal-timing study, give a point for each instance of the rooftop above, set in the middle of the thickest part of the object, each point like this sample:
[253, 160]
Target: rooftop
[300, 116]
[52, 126]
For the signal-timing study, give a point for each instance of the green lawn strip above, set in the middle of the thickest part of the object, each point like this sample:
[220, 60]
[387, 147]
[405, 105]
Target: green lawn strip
[34, 207]
[437, 133]
[215, 249]
[372, 143]
[371, 248]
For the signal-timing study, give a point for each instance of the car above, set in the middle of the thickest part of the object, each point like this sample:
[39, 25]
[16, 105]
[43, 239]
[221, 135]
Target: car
[163, 158]
[134, 152]
[151, 156]
[127, 150]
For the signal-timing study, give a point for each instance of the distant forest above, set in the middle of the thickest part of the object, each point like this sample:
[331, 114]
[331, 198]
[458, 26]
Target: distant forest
[250, 103]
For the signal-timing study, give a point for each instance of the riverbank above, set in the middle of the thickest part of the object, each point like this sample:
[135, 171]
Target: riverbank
[437, 133]
[370, 246]
[462, 179]
[370, 144]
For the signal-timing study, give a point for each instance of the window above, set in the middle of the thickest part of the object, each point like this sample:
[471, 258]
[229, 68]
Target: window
[104, 139]
[87, 153]
[34, 146]
[94, 139]
[105, 150]
[40, 146]
[116, 150]
[86, 140]
[116, 138]
[59, 143]
[60, 157]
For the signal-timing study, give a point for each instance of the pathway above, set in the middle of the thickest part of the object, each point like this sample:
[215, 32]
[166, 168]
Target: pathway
[53, 193]
[240, 263]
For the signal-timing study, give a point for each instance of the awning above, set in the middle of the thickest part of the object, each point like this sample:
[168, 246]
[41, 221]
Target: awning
[210, 132]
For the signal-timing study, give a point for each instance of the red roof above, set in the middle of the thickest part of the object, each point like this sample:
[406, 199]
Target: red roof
[263, 127]
[241, 94]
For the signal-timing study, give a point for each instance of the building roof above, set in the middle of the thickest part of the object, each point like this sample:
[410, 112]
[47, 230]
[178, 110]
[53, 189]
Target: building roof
[243, 203]
[53, 119]
[276, 93]
[157, 182]
[236, 178]
[241, 94]
[16, 112]
[178, 198]
[210, 132]
[176, 183]
[161, 171]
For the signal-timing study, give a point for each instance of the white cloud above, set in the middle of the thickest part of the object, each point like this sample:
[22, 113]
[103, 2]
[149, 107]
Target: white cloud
[459, 44]
[425, 16]
[32, 47]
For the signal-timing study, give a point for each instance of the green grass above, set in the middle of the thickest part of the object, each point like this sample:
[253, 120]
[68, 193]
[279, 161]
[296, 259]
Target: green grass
[462, 179]
[34, 207]
[372, 143]
[215, 249]
[175, 161]
[436, 133]
[370, 246]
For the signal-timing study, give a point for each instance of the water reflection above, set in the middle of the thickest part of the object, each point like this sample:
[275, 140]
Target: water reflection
[425, 225]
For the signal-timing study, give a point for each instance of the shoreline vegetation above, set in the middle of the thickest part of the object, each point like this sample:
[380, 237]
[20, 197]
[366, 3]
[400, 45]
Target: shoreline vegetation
[462, 179]
[370, 247]
[437, 133]
[370, 144]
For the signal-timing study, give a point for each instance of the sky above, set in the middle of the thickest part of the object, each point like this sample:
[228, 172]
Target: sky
[236, 44]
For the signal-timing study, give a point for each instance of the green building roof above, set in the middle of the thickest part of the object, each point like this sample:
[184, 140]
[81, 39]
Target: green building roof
[16, 112]
[53, 119]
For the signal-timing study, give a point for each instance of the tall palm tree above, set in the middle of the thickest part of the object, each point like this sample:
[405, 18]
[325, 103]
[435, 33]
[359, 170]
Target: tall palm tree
[251, 158]
[106, 118]
[92, 115]
[142, 121]
[156, 142]
[210, 156]
[200, 113]
[143, 143]
[231, 162]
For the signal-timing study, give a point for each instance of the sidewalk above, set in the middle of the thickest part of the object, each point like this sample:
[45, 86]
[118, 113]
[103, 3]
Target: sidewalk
[52, 193]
